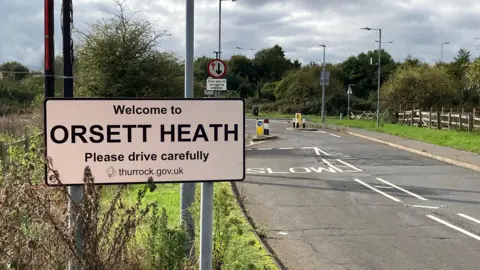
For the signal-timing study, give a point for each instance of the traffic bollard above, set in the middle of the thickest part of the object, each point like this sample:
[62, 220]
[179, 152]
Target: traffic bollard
[266, 129]
[303, 122]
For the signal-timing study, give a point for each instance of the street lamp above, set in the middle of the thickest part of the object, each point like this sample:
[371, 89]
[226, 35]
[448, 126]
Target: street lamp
[441, 51]
[243, 49]
[379, 69]
[323, 84]
[384, 46]
[219, 52]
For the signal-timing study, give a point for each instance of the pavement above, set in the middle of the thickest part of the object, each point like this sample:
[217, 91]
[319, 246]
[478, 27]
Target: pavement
[330, 200]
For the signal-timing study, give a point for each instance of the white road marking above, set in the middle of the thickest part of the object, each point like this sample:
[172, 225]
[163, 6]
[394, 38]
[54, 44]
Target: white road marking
[402, 189]
[469, 217]
[261, 149]
[285, 148]
[315, 131]
[455, 227]
[255, 143]
[425, 206]
[385, 187]
[318, 151]
[379, 191]
[349, 165]
[330, 164]
[334, 135]
[282, 233]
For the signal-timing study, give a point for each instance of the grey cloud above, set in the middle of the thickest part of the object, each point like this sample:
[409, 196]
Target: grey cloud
[261, 23]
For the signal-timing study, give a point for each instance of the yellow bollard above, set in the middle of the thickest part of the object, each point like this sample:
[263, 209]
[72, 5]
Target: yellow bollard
[259, 127]
[298, 117]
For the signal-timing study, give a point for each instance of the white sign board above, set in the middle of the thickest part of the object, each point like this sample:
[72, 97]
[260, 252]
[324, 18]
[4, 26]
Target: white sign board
[327, 78]
[217, 84]
[129, 140]
[349, 91]
[208, 92]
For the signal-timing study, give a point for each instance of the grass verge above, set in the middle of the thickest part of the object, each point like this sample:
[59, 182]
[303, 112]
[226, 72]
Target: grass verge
[450, 138]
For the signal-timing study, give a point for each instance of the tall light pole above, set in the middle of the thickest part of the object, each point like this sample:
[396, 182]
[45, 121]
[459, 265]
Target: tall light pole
[379, 69]
[245, 50]
[477, 38]
[323, 84]
[384, 43]
[441, 51]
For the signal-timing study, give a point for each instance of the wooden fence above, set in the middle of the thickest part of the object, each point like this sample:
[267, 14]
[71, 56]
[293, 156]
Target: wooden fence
[439, 119]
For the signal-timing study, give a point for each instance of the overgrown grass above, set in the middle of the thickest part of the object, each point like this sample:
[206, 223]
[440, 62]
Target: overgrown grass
[238, 246]
[450, 138]
[158, 240]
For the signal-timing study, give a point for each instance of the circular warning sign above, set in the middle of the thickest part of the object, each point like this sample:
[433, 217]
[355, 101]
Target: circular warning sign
[217, 68]
[259, 123]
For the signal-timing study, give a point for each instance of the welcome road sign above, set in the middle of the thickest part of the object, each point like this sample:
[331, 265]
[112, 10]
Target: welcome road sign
[129, 140]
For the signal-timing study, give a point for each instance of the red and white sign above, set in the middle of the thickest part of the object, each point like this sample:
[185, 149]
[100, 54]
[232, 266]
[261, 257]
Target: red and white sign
[217, 68]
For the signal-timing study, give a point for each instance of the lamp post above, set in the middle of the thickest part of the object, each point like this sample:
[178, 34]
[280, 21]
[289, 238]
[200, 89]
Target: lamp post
[379, 69]
[323, 84]
[384, 43]
[441, 50]
[245, 50]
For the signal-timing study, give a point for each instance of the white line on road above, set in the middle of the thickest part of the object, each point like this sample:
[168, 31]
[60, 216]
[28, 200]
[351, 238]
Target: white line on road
[334, 135]
[379, 191]
[350, 165]
[425, 206]
[318, 151]
[285, 148]
[330, 164]
[404, 190]
[455, 227]
[255, 143]
[385, 187]
[264, 149]
[469, 217]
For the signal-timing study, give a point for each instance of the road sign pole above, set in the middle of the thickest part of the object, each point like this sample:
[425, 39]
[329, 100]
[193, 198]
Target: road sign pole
[187, 190]
[323, 87]
[75, 192]
[206, 227]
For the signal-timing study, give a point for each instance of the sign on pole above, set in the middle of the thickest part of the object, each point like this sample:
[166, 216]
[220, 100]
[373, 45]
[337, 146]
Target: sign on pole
[327, 78]
[129, 140]
[217, 68]
[217, 84]
[208, 92]
[349, 91]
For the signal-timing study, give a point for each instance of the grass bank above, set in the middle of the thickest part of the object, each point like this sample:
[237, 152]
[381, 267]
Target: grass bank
[450, 138]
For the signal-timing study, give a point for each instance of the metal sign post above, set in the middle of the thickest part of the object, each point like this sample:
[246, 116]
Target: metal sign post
[349, 93]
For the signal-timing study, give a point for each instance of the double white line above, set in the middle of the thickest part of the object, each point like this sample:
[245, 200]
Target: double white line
[392, 185]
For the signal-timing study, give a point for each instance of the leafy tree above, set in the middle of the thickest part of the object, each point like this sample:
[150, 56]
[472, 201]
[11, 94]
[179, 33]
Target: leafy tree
[118, 58]
[271, 64]
[421, 86]
[16, 69]
[359, 71]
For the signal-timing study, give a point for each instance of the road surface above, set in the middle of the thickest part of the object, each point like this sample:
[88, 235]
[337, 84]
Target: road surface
[333, 201]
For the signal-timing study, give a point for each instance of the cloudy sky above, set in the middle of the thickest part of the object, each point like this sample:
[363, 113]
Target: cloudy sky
[416, 27]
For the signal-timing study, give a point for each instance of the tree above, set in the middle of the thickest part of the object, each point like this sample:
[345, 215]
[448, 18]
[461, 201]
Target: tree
[421, 86]
[473, 75]
[463, 57]
[271, 64]
[16, 69]
[118, 58]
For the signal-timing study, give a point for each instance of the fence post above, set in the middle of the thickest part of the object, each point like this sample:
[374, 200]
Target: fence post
[412, 115]
[450, 120]
[460, 119]
[404, 118]
[430, 118]
[420, 118]
[470, 122]
[27, 144]
[439, 119]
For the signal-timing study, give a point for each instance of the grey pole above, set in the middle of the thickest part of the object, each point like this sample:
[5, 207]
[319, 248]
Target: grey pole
[323, 85]
[379, 75]
[187, 192]
[206, 227]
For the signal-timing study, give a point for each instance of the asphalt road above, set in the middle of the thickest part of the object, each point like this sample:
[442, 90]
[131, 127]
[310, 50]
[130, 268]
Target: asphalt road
[333, 201]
